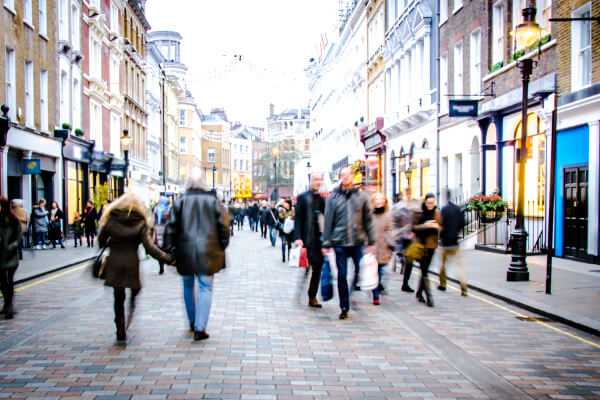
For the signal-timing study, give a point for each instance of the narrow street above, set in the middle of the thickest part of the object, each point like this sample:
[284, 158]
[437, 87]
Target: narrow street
[266, 343]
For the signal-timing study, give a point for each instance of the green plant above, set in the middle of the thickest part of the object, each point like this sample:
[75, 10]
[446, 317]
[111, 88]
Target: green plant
[546, 39]
[66, 126]
[78, 132]
[497, 66]
[100, 196]
[482, 203]
[518, 55]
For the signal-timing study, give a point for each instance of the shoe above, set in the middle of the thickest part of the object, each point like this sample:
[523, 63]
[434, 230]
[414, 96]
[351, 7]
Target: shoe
[376, 301]
[442, 288]
[357, 288]
[75, 244]
[53, 246]
[314, 303]
[162, 270]
[62, 247]
[9, 312]
[344, 314]
[463, 292]
[420, 298]
[406, 288]
[44, 247]
[429, 302]
[121, 335]
[192, 327]
[200, 335]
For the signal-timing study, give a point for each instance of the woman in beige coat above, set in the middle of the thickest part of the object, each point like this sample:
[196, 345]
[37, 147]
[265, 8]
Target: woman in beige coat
[382, 231]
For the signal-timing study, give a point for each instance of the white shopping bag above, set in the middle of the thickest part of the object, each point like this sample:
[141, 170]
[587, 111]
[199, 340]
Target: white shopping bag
[332, 263]
[294, 260]
[369, 272]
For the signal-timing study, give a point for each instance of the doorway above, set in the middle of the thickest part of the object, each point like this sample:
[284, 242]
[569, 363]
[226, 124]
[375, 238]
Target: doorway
[575, 190]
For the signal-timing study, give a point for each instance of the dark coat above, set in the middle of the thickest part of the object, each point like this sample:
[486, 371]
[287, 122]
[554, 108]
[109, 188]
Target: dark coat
[427, 236]
[262, 215]
[304, 223]
[453, 220]
[10, 238]
[198, 233]
[254, 212]
[270, 216]
[347, 220]
[39, 220]
[56, 233]
[160, 229]
[126, 231]
[90, 216]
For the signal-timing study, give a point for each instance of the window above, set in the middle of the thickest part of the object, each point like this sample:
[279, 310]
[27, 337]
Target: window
[95, 58]
[181, 117]
[457, 5]
[247, 149]
[10, 4]
[115, 133]
[183, 169]
[475, 73]
[211, 155]
[497, 34]
[235, 164]
[11, 92]
[443, 10]
[182, 144]
[64, 98]
[29, 117]
[75, 38]
[545, 13]
[43, 23]
[63, 23]
[581, 50]
[96, 124]
[27, 12]
[114, 18]
[444, 82]
[43, 100]
[306, 144]
[247, 166]
[114, 75]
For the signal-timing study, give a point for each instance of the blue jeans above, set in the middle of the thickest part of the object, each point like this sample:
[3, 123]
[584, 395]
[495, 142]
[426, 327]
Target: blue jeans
[40, 238]
[379, 286]
[272, 235]
[341, 259]
[198, 310]
[251, 223]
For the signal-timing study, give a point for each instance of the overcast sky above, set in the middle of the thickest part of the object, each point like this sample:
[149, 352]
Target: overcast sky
[276, 39]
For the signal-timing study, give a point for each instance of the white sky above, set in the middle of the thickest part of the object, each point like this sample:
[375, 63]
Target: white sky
[276, 39]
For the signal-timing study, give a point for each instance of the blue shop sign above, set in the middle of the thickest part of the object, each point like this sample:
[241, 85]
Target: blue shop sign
[463, 108]
[32, 166]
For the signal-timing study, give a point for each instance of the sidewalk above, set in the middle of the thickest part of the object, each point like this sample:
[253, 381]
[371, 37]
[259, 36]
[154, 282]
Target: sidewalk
[36, 263]
[575, 298]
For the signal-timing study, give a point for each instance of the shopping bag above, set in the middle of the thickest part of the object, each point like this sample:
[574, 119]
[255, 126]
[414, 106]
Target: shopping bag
[294, 260]
[369, 272]
[326, 281]
[303, 263]
[288, 225]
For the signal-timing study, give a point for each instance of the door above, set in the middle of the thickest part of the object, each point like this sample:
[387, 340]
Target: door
[575, 189]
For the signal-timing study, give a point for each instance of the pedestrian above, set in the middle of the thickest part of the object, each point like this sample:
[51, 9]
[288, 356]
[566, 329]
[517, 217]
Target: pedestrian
[161, 218]
[347, 230]
[402, 216]
[56, 217]
[231, 213]
[77, 228]
[262, 219]
[384, 240]
[271, 221]
[427, 227]
[10, 240]
[21, 214]
[198, 234]
[239, 216]
[90, 216]
[285, 211]
[254, 213]
[308, 232]
[124, 226]
[453, 220]
[39, 224]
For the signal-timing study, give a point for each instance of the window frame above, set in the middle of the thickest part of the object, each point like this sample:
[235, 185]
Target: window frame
[75, 27]
[475, 68]
[211, 152]
[498, 27]
[28, 12]
[458, 4]
[29, 93]
[443, 11]
[183, 145]
[577, 78]
[444, 83]
[43, 100]
[10, 75]
[182, 113]
[43, 18]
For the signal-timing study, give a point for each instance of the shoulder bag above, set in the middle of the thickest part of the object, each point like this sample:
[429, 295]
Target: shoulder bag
[98, 270]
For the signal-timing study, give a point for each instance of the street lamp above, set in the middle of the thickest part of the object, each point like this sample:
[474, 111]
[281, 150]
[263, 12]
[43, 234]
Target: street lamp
[526, 35]
[125, 141]
[309, 169]
[276, 189]
[214, 169]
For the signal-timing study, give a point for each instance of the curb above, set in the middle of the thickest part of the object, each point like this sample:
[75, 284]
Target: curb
[51, 271]
[581, 325]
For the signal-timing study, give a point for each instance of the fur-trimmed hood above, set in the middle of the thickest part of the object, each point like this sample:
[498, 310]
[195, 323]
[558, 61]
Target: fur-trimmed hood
[128, 206]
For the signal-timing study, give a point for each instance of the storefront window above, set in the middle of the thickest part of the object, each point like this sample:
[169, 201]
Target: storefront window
[425, 170]
[535, 167]
[75, 189]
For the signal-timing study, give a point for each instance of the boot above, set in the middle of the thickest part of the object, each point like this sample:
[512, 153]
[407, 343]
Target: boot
[120, 323]
[314, 303]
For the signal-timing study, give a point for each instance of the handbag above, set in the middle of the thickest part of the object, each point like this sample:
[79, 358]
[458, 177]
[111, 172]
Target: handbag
[288, 226]
[294, 260]
[326, 281]
[278, 225]
[98, 270]
[369, 272]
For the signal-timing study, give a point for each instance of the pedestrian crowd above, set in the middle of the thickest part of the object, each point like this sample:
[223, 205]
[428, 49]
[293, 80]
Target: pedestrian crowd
[193, 231]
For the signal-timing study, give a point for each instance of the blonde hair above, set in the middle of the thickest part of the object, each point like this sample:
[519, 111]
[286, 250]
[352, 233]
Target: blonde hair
[377, 195]
[127, 202]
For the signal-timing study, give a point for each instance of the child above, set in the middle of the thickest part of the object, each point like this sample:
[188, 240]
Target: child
[77, 227]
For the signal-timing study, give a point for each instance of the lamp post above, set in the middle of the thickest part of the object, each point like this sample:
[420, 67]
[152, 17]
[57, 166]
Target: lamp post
[276, 189]
[125, 141]
[526, 34]
[214, 169]
[309, 169]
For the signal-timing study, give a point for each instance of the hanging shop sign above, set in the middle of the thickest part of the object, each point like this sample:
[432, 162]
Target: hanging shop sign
[372, 138]
[463, 108]
[32, 166]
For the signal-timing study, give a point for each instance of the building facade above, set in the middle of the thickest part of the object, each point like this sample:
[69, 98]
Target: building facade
[28, 75]
[241, 164]
[216, 152]
[155, 80]
[190, 136]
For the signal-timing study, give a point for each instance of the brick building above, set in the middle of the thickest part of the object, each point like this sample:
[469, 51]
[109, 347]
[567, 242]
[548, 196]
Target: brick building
[216, 152]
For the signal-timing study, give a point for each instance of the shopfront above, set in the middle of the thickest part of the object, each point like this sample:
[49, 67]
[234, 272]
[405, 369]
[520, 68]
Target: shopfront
[374, 142]
[77, 157]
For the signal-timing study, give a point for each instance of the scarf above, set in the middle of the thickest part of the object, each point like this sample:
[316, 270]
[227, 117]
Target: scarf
[162, 206]
[379, 210]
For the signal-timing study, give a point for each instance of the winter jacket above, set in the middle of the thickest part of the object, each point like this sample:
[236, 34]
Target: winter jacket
[22, 217]
[262, 215]
[304, 223]
[89, 215]
[453, 220]
[56, 231]
[10, 238]
[77, 226]
[198, 233]
[253, 211]
[384, 239]
[159, 229]
[270, 216]
[347, 219]
[39, 220]
[126, 230]
[428, 237]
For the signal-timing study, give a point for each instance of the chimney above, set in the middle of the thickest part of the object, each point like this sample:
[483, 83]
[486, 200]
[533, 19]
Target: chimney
[271, 109]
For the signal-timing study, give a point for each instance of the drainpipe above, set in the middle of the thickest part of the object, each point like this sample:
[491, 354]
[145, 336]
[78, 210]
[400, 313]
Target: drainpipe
[437, 115]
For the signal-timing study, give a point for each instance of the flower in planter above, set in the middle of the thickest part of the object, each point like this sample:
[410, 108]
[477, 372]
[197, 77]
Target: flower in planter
[482, 203]
[66, 126]
[79, 132]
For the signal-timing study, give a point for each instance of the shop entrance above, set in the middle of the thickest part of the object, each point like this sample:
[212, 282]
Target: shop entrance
[575, 190]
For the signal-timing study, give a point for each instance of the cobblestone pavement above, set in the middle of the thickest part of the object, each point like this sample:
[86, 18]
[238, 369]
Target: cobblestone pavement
[266, 344]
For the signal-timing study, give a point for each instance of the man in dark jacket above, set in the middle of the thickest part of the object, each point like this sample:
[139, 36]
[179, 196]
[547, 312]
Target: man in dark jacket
[271, 222]
[308, 232]
[262, 219]
[347, 230]
[197, 234]
[453, 220]
[254, 216]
